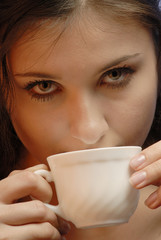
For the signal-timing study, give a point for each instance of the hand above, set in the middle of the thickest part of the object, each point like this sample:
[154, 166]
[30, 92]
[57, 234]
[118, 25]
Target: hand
[147, 165]
[30, 220]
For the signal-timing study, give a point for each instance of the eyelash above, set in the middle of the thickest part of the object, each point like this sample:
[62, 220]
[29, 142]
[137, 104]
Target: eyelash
[42, 97]
[127, 73]
[125, 70]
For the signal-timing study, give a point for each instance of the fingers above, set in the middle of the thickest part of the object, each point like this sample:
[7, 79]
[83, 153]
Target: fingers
[147, 166]
[23, 184]
[154, 200]
[148, 175]
[27, 212]
[32, 219]
[31, 212]
[44, 231]
[31, 169]
[37, 167]
[16, 222]
[146, 157]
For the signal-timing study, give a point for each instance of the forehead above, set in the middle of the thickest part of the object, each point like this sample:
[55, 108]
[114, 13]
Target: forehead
[87, 37]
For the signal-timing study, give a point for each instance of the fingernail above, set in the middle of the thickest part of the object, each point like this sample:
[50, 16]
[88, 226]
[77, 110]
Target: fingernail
[137, 161]
[152, 200]
[138, 179]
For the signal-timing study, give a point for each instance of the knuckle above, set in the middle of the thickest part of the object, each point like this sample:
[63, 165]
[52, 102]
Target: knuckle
[37, 167]
[154, 171]
[50, 232]
[40, 209]
[43, 213]
[42, 166]
[152, 151]
[29, 178]
[157, 168]
[13, 172]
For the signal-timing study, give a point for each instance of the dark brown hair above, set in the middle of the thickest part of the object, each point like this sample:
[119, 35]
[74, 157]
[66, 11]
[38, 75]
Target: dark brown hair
[16, 17]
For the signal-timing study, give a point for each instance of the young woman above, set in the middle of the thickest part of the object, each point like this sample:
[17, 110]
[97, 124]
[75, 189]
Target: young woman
[77, 75]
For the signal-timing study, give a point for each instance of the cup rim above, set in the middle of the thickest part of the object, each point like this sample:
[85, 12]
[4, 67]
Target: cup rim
[94, 150]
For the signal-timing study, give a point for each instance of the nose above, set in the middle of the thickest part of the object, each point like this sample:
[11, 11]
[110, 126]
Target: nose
[87, 122]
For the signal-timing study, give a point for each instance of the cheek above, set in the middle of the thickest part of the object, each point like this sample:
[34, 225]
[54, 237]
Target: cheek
[138, 123]
[39, 131]
[132, 118]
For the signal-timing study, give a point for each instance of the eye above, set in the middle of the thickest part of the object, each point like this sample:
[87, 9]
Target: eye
[117, 77]
[43, 90]
[44, 87]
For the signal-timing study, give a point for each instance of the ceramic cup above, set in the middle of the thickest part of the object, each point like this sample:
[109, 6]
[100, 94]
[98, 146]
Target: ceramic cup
[92, 186]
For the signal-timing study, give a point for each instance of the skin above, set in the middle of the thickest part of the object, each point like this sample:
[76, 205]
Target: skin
[86, 111]
[84, 114]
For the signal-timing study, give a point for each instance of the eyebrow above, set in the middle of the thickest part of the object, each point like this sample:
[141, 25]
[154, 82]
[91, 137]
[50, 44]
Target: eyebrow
[50, 76]
[36, 74]
[120, 60]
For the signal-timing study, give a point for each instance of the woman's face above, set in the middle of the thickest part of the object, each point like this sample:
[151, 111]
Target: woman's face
[96, 86]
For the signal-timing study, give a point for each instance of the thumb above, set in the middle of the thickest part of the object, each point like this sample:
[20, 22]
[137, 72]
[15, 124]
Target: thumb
[37, 167]
[31, 169]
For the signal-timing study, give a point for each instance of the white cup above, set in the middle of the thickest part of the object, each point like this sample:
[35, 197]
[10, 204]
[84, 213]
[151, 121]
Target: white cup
[92, 186]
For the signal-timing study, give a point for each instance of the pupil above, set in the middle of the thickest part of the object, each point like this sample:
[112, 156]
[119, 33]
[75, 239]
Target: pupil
[45, 85]
[115, 74]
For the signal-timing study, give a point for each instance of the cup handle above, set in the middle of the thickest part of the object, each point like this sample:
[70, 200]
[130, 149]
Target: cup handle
[49, 178]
